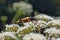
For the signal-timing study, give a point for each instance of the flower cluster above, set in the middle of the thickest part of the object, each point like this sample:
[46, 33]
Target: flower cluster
[34, 36]
[44, 17]
[45, 28]
[54, 23]
[32, 30]
[8, 36]
[55, 39]
[25, 7]
[12, 27]
[53, 32]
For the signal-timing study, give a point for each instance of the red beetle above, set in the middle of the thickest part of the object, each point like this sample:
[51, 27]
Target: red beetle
[26, 19]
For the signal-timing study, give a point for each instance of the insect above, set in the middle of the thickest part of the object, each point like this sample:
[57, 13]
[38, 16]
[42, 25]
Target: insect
[26, 19]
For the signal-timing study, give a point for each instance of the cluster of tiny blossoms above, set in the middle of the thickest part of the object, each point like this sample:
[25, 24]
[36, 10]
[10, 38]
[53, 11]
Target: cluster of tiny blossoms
[8, 36]
[46, 28]
[34, 36]
[23, 6]
[44, 17]
[53, 32]
[12, 27]
[54, 23]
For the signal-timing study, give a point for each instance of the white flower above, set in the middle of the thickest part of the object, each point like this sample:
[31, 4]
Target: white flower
[34, 36]
[54, 23]
[58, 39]
[9, 34]
[41, 24]
[24, 30]
[55, 38]
[26, 7]
[21, 28]
[53, 31]
[24, 27]
[44, 17]
[12, 27]
[28, 24]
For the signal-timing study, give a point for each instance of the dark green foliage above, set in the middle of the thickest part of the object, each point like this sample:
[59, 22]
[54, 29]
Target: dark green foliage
[46, 6]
